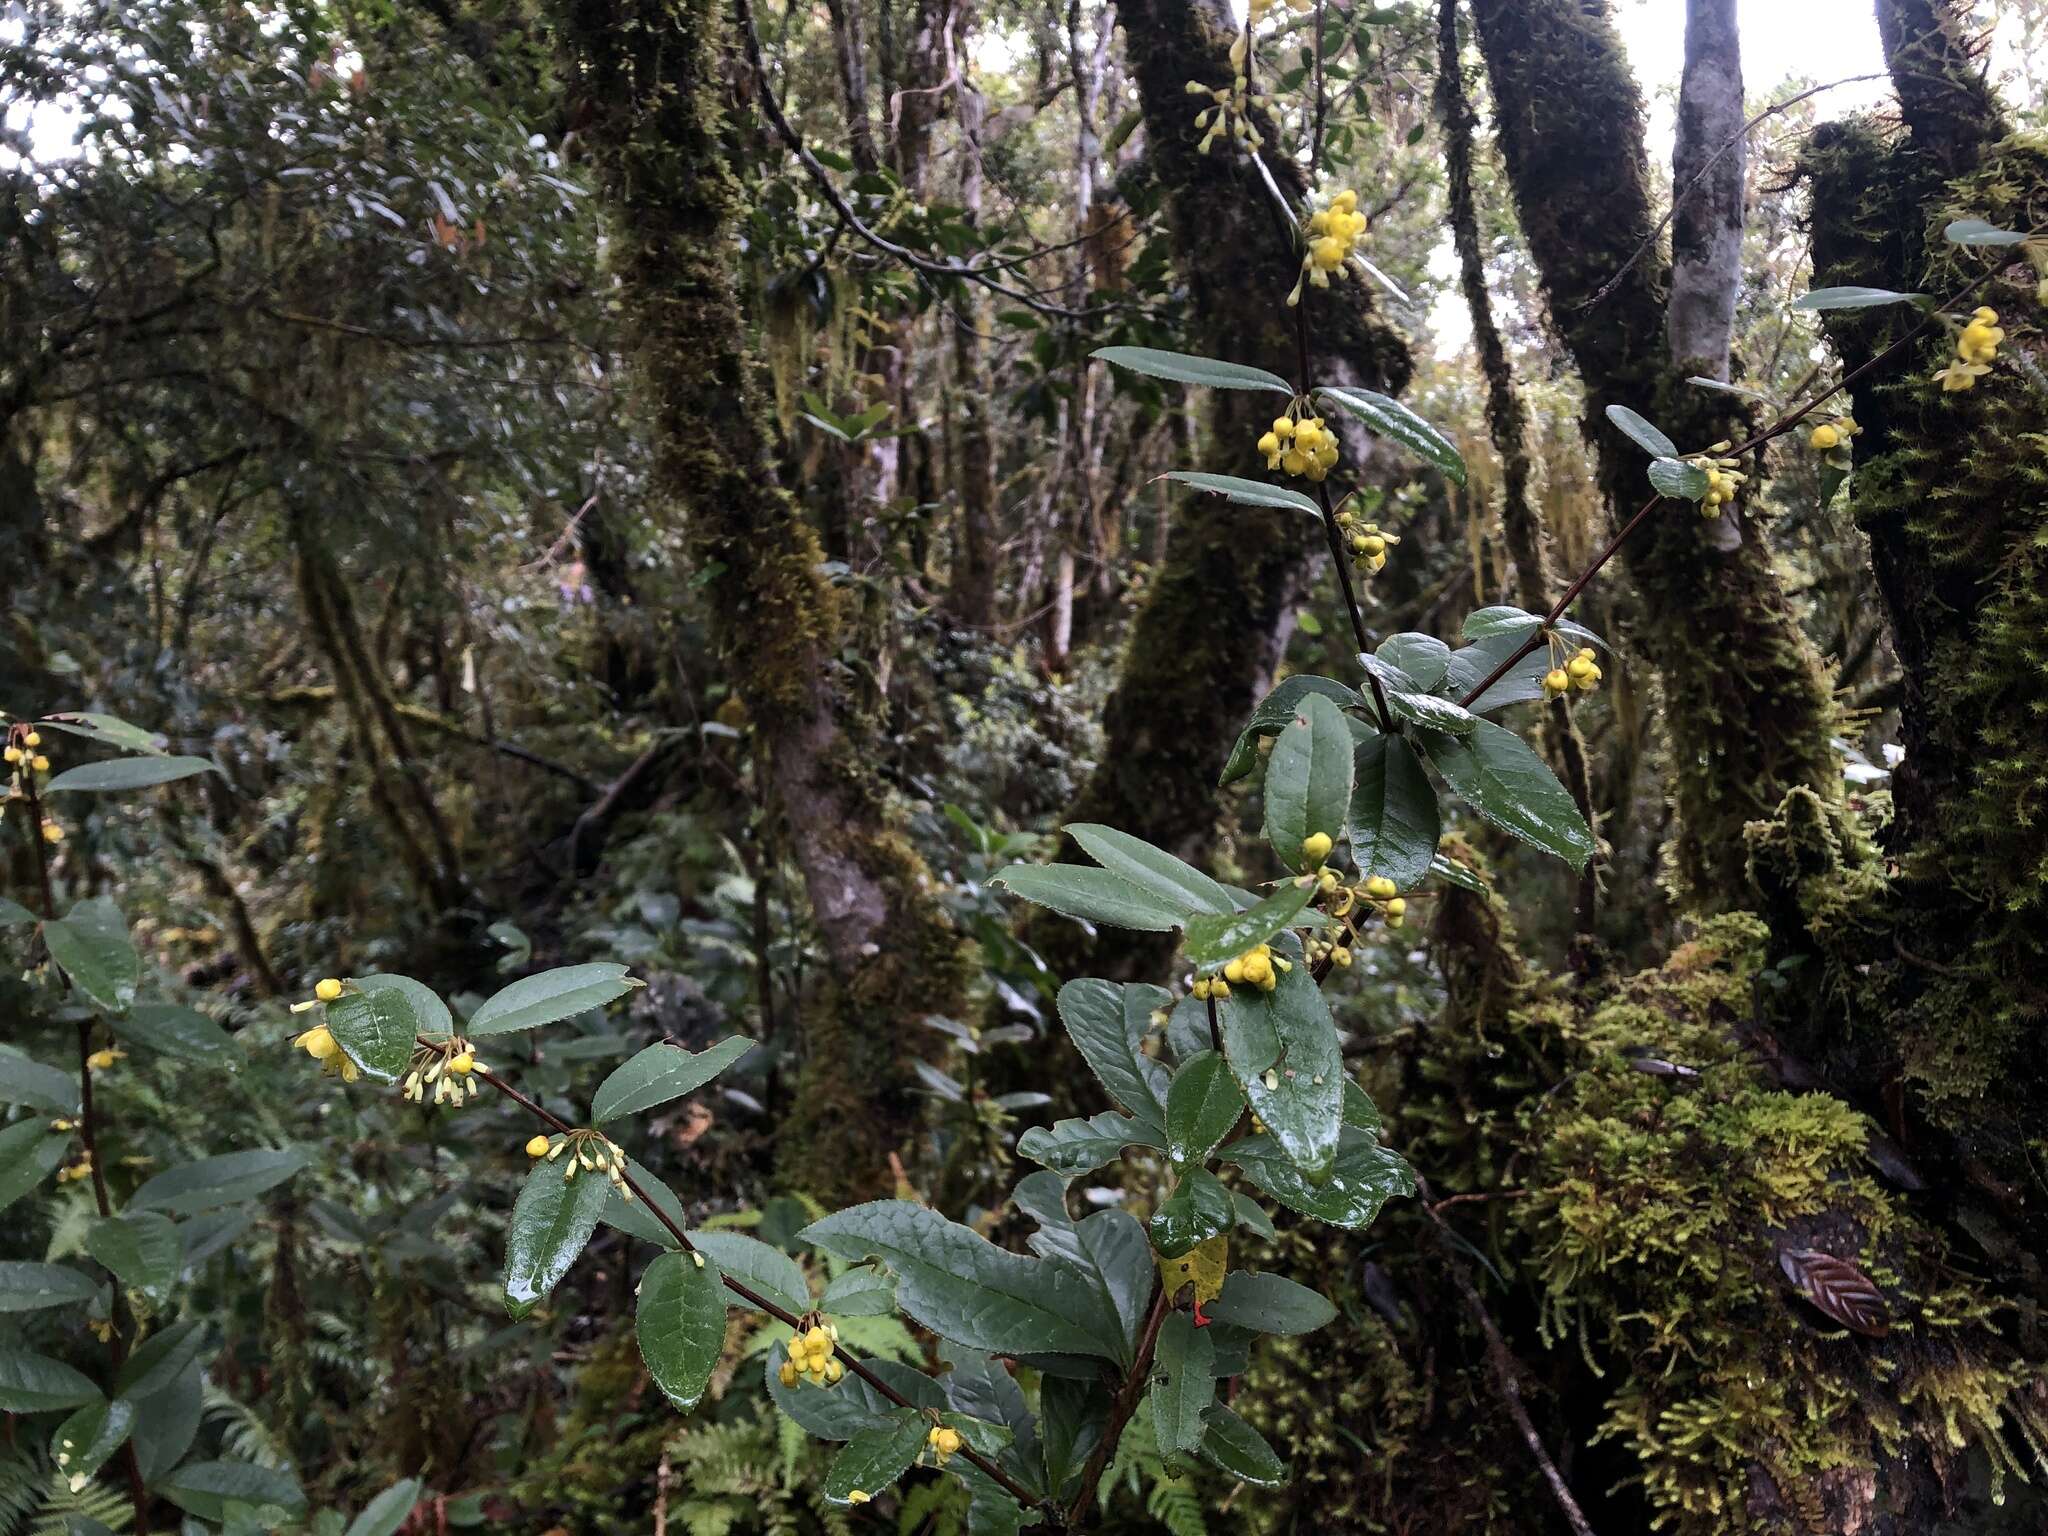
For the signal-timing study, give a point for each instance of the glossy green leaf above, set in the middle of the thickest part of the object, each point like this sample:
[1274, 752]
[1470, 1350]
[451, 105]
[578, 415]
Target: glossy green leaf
[1182, 1385]
[1853, 297]
[1107, 1023]
[1183, 368]
[129, 773]
[1981, 232]
[1423, 658]
[1071, 1148]
[208, 1488]
[1395, 819]
[961, 1286]
[549, 997]
[1198, 1209]
[1392, 420]
[1458, 873]
[1151, 869]
[859, 1292]
[24, 1080]
[32, 1383]
[29, 1153]
[1094, 895]
[183, 1033]
[1282, 1045]
[1252, 1216]
[384, 1514]
[1677, 479]
[1473, 664]
[1362, 1178]
[167, 1422]
[1308, 779]
[142, 1250]
[1359, 1109]
[1272, 716]
[13, 914]
[216, 1181]
[1723, 386]
[1236, 1448]
[110, 730]
[875, 1458]
[1431, 712]
[1642, 433]
[1247, 493]
[28, 1287]
[1211, 941]
[1270, 1304]
[160, 1361]
[761, 1267]
[680, 1323]
[87, 1440]
[551, 1221]
[660, 1073]
[1497, 773]
[1108, 1251]
[91, 943]
[1202, 1106]
[1518, 624]
[841, 1412]
[379, 1018]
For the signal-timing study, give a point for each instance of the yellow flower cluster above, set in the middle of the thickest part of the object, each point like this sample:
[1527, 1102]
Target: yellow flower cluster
[1830, 435]
[1352, 902]
[810, 1356]
[100, 1061]
[1331, 241]
[78, 1171]
[1230, 113]
[1976, 348]
[1724, 476]
[1367, 542]
[587, 1149]
[319, 1042]
[449, 1067]
[1300, 446]
[23, 754]
[1581, 672]
[944, 1441]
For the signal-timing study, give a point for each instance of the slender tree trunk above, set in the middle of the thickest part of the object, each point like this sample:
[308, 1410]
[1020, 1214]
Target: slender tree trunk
[972, 598]
[1707, 161]
[656, 69]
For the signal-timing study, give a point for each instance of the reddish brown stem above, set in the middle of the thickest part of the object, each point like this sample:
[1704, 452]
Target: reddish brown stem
[1120, 1410]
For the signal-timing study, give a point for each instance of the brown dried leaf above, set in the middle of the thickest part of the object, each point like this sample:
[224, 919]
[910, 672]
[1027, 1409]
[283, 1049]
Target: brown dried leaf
[1838, 1288]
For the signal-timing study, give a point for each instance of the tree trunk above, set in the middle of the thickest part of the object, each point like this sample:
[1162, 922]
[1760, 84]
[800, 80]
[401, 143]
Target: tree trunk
[972, 593]
[654, 66]
[1751, 715]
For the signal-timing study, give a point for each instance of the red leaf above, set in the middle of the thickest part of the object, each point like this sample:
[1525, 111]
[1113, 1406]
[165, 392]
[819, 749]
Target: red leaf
[1838, 1288]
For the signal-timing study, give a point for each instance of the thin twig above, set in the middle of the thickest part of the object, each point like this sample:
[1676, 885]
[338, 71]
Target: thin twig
[1120, 1410]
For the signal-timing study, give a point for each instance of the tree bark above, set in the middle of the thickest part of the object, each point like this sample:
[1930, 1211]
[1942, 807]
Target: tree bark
[655, 68]
[1707, 160]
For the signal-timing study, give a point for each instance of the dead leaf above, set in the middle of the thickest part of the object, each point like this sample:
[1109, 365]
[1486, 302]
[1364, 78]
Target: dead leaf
[1838, 1288]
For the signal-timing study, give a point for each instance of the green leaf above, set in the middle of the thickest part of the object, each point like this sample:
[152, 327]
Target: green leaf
[1518, 624]
[1522, 682]
[13, 914]
[1107, 1024]
[1423, 657]
[1978, 232]
[91, 943]
[167, 1422]
[207, 1488]
[549, 997]
[216, 1181]
[551, 1221]
[1071, 1148]
[1395, 820]
[1211, 941]
[87, 1440]
[1639, 431]
[183, 1033]
[841, 1412]
[1182, 368]
[1151, 869]
[1247, 493]
[660, 1073]
[1108, 1251]
[1495, 772]
[1363, 1177]
[1308, 779]
[1198, 1209]
[1252, 1216]
[1853, 298]
[761, 1267]
[30, 1287]
[1270, 1304]
[1202, 1106]
[1431, 712]
[1390, 419]
[875, 1458]
[1282, 1045]
[1732, 389]
[32, 1383]
[1359, 1109]
[142, 1250]
[1094, 895]
[1182, 1386]
[1271, 717]
[680, 1322]
[384, 1514]
[29, 1152]
[162, 1358]
[1458, 873]
[378, 1018]
[24, 1080]
[1677, 479]
[1238, 1449]
[859, 1292]
[961, 1286]
[111, 730]
[129, 773]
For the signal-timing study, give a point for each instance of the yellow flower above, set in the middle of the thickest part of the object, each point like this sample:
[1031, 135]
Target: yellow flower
[538, 1147]
[1961, 374]
[1315, 848]
[52, 833]
[1556, 682]
[100, 1061]
[1824, 437]
[1380, 888]
[328, 990]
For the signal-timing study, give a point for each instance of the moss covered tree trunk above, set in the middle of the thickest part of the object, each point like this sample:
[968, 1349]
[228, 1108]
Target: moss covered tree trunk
[653, 69]
[1749, 711]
